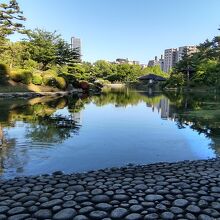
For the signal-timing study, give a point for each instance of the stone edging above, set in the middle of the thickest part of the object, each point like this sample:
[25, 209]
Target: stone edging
[183, 190]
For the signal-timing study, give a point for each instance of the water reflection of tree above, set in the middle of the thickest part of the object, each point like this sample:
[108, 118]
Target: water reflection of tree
[124, 97]
[43, 126]
[200, 112]
[49, 129]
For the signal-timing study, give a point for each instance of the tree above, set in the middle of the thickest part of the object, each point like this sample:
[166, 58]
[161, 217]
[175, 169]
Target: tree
[11, 18]
[43, 46]
[65, 55]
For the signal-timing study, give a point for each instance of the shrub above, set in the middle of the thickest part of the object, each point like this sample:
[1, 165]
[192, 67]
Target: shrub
[49, 80]
[15, 76]
[176, 80]
[37, 79]
[23, 76]
[50, 72]
[60, 82]
[26, 76]
[4, 72]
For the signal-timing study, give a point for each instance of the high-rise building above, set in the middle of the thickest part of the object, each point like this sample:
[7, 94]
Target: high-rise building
[186, 50]
[161, 63]
[76, 44]
[170, 59]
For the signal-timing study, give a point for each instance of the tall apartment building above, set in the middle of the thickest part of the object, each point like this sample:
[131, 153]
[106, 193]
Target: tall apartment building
[186, 50]
[76, 44]
[170, 59]
[161, 63]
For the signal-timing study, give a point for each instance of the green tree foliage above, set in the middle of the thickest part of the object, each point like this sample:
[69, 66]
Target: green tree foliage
[65, 55]
[4, 72]
[201, 68]
[48, 48]
[11, 18]
[43, 47]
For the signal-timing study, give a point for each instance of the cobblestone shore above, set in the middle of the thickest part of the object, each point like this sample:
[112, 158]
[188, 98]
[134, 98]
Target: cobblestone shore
[183, 190]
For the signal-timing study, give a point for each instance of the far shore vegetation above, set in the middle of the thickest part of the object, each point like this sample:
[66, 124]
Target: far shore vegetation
[44, 61]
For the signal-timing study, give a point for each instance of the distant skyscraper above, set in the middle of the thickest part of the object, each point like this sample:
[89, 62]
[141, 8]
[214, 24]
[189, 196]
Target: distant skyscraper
[161, 62]
[76, 44]
[170, 59]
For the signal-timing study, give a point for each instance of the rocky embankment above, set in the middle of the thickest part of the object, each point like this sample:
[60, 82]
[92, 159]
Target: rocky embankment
[183, 190]
[39, 94]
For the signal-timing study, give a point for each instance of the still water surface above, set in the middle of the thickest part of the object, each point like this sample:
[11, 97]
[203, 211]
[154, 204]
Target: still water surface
[119, 127]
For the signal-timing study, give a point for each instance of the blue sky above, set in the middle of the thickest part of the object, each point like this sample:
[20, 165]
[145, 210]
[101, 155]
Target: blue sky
[134, 29]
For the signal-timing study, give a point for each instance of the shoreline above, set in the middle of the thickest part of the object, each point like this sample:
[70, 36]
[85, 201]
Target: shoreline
[180, 190]
[39, 94]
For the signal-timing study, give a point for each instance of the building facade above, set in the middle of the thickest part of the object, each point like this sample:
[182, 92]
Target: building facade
[76, 44]
[170, 59]
[186, 50]
[154, 62]
[161, 63]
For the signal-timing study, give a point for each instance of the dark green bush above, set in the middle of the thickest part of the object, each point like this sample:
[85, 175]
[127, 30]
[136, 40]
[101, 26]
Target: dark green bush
[15, 76]
[26, 77]
[20, 75]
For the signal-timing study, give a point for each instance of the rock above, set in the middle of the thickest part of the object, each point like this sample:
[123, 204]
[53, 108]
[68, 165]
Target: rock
[153, 197]
[16, 210]
[4, 209]
[69, 204]
[80, 217]
[190, 216]
[167, 215]
[51, 203]
[204, 217]
[215, 189]
[136, 208]
[104, 206]
[180, 202]
[215, 205]
[176, 210]
[133, 216]
[65, 214]
[141, 187]
[151, 216]
[119, 213]
[100, 198]
[56, 173]
[193, 209]
[76, 188]
[121, 197]
[43, 214]
[18, 217]
[211, 212]
[98, 214]
[86, 210]
[96, 191]
[3, 217]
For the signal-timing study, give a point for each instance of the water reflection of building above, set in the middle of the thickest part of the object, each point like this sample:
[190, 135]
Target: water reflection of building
[164, 108]
[76, 116]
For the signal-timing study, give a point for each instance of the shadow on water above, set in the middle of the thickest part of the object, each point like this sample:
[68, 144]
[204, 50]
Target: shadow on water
[49, 122]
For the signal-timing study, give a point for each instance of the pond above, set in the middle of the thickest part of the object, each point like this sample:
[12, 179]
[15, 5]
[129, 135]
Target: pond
[116, 128]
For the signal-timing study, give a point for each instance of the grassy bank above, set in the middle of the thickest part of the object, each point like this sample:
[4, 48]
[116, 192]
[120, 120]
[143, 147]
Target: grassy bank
[13, 87]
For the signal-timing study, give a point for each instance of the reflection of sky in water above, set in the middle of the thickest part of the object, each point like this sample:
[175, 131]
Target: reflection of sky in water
[108, 136]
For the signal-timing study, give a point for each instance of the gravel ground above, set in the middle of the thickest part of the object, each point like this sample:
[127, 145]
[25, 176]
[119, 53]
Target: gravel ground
[183, 190]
